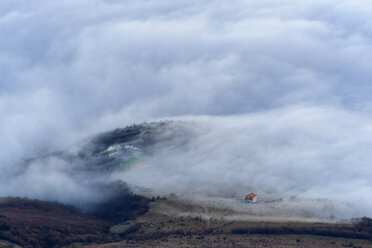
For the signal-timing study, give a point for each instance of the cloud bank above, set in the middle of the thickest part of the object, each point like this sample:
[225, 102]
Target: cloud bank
[294, 76]
[306, 153]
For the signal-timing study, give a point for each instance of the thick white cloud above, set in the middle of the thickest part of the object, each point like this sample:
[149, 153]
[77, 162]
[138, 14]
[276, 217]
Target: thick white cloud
[72, 68]
[309, 152]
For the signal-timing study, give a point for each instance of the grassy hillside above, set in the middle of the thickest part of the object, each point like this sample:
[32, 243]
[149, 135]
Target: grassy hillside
[173, 223]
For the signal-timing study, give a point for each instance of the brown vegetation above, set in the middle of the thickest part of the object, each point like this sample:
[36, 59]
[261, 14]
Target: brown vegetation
[177, 224]
[34, 223]
[339, 231]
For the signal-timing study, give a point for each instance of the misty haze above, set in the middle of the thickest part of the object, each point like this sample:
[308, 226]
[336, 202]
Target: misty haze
[185, 123]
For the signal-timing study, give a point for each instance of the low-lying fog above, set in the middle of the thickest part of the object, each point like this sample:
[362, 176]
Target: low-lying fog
[274, 97]
[305, 162]
[318, 156]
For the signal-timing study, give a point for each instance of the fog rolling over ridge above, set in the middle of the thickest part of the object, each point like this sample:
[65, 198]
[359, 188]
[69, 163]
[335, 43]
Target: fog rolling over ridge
[217, 160]
[271, 97]
[277, 154]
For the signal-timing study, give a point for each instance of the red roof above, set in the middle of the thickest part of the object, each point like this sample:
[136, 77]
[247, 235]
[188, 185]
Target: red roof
[252, 195]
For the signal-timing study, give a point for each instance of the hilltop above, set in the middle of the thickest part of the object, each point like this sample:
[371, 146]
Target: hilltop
[111, 213]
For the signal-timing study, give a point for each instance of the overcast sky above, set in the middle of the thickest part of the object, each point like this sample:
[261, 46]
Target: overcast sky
[72, 68]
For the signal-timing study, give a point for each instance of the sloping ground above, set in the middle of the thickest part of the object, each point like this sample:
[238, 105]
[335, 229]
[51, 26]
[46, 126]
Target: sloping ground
[34, 223]
[168, 223]
[171, 223]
